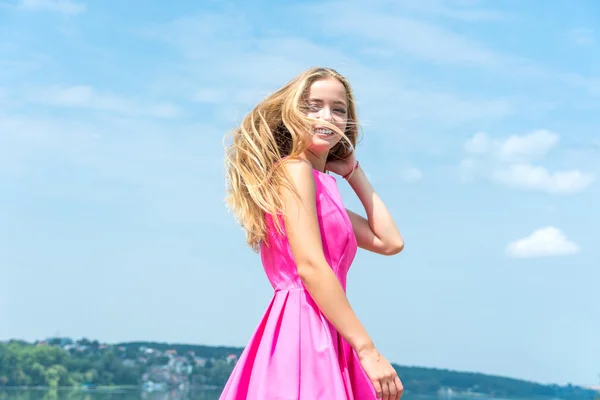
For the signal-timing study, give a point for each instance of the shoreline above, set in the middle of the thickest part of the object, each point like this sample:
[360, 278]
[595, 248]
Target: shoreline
[454, 396]
[82, 388]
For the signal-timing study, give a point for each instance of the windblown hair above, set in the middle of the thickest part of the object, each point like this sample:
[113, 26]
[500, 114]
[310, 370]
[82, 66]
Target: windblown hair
[276, 129]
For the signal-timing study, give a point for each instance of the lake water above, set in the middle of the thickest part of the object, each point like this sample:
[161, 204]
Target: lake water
[134, 394]
[117, 394]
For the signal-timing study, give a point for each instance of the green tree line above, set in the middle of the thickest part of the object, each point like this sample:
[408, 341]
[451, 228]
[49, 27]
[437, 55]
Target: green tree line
[430, 380]
[24, 364]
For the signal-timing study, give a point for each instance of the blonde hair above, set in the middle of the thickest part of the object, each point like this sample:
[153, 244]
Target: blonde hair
[275, 129]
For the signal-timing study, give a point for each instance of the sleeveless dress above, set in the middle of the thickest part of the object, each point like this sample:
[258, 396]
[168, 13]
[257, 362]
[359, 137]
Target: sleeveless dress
[295, 353]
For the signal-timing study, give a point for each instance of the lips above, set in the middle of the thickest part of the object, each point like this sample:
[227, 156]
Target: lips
[324, 131]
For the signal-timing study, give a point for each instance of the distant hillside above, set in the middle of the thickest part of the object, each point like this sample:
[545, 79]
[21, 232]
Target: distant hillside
[424, 380]
[432, 380]
[66, 362]
[218, 352]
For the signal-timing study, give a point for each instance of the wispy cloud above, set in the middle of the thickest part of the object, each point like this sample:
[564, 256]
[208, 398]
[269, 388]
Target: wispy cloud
[60, 6]
[257, 62]
[516, 147]
[86, 97]
[544, 242]
[508, 161]
[419, 38]
[538, 178]
[25, 142]
[387, 30]
[457, 10]
[582, 36]
[169, 171]
[106, 142]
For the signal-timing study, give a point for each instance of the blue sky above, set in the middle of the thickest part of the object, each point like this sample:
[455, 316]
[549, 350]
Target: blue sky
[480, 130]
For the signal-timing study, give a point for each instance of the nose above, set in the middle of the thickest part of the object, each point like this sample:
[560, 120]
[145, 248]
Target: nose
[326, 114]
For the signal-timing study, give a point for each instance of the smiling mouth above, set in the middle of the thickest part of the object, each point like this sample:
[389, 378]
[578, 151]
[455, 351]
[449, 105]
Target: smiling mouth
[324, 131]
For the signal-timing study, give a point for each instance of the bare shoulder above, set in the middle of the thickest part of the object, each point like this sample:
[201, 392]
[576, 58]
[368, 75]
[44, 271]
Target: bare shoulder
[300, 214]
[298, 168]
[300, 172]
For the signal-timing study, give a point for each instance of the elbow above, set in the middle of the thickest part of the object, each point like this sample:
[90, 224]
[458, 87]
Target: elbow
[308, 271]
[394, 248]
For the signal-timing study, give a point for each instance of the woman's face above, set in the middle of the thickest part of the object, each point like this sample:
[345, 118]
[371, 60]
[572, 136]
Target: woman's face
[327, 101]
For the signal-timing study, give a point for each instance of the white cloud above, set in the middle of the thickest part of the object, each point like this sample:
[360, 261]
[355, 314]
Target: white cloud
[509, 162]
[544, 242]
[516, 147]
[526, 176]
[532, 145]
[582, 36]
[59, 6]
[82, 96]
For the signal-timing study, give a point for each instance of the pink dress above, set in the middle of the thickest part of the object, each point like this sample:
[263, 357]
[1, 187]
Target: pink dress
[295, 353]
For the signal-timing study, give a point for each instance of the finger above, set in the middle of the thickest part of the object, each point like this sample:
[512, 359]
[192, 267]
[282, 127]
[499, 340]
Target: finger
[377, 387]
[399, 387]
[393, 390]
[385, 387]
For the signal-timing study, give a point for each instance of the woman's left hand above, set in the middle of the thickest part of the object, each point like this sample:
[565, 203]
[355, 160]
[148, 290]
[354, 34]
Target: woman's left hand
[341, 167]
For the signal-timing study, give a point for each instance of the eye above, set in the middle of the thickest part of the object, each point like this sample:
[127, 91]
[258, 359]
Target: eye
[340, 110]
[313, 107]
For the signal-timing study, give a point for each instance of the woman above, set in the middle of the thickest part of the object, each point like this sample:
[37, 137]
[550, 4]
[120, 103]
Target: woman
[310, 344]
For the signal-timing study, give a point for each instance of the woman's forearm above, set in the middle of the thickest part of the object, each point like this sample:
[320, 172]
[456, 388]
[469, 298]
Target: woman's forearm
[303, 233]
[380, 220]
[328, 294]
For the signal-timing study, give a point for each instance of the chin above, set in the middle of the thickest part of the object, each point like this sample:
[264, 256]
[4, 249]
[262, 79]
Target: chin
[322, 146]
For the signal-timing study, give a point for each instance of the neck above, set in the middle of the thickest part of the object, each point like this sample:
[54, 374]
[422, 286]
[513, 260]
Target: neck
[317, 160]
